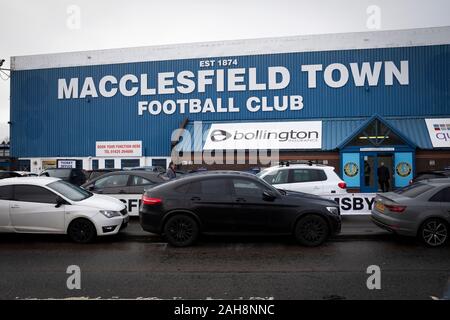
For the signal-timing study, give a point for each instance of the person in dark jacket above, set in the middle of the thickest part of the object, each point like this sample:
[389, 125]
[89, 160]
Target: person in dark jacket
[383, 177]
[171, 174]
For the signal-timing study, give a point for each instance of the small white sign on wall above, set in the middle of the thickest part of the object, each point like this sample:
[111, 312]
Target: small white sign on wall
[67, 164]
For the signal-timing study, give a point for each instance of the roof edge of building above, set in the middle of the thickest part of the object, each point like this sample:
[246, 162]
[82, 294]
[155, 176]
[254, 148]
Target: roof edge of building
[289, 44]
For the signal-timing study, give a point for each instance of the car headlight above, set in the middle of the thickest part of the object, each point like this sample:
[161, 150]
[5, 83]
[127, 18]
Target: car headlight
[333, 210]
[110, 213]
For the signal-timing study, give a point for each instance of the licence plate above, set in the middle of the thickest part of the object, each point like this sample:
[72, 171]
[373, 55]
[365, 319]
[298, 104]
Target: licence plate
[380, 206]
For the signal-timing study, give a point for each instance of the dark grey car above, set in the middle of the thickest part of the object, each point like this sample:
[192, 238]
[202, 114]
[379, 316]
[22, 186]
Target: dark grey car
[421, 209]
[123, 182]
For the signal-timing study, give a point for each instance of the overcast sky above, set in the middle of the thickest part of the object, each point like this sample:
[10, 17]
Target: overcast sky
[48, 26]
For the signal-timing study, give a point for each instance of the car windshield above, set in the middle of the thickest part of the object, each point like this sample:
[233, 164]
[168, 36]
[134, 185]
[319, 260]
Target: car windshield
[413, 190]
[57, 173]
[69, 190]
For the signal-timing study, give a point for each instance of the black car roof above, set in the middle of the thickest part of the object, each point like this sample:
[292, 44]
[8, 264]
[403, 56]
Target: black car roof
[221, 172]
[212, 173]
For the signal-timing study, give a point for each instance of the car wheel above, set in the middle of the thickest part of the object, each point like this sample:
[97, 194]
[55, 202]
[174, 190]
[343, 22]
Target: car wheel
[181, 230]
[311, 230]
[82, 231]
[434, 232]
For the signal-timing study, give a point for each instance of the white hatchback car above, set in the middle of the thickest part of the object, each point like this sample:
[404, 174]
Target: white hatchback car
[307, 178]
[51, 205]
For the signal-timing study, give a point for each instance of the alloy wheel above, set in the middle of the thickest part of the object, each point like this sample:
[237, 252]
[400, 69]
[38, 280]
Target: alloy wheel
[434, 233]
[312, 231]
[181, 230]
[81, 231]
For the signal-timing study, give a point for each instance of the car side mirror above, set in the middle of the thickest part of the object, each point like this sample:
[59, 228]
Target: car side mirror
[91, 188]
[269, 195]
[59, 202]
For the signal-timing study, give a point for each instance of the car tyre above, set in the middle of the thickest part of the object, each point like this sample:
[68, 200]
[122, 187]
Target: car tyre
[311, 230]
[82, 231]
[434, 232]
[181, 230]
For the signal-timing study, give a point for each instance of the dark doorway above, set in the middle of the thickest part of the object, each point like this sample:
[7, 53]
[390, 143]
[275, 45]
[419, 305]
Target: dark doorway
[370, 180]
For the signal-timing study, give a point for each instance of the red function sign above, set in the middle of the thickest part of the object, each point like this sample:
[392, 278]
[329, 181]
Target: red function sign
[118, 149]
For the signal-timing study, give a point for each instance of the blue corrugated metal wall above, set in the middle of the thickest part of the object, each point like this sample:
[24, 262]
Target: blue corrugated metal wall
[43, 126]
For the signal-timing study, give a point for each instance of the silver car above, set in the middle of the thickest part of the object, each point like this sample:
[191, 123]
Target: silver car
[421, 209]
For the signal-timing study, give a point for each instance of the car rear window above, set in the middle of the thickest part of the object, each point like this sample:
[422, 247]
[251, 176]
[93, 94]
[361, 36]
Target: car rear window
[441, 196]
[57, 173]
[308, 175]
[412, 191]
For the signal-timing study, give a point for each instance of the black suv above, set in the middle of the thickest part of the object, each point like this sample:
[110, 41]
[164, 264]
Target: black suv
[234, 202]
[74, 176]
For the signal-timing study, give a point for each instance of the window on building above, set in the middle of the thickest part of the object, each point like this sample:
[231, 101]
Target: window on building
[159, 163]
[24, 165]
[109, 164]
[376, 134]
[94, 164]
[79, 164]
[129, 163]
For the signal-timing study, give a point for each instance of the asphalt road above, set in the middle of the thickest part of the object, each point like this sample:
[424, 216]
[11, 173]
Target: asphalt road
[220, 268]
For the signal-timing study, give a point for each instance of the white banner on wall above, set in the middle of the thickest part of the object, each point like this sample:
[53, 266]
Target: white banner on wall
[265, 135]
[118, 149]
[439, 131]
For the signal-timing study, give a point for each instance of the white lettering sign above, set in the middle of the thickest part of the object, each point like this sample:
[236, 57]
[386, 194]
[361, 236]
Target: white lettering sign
[265, 135]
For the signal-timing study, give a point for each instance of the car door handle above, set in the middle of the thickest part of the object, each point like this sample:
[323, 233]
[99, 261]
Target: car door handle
[195, 199]
[240, 200]
[15, 206]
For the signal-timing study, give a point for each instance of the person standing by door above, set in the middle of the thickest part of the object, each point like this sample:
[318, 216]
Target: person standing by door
[383, 177]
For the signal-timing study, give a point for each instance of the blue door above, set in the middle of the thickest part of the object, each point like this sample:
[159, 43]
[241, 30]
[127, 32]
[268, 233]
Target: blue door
[368, 175]
[370, 162]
